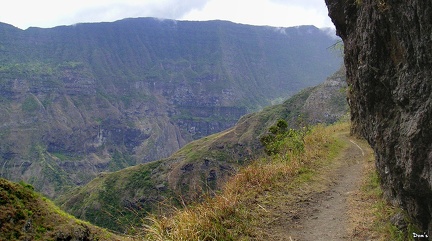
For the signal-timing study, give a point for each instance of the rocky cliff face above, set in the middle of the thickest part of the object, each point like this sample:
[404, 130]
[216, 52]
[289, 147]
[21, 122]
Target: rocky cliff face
[388, 59]
[79, 100]
[113, 200]
[327, 102]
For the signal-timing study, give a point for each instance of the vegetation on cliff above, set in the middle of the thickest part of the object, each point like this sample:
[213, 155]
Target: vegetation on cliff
[249, 206]
[276, 196]
[27, 215]
[79, 100]
[233, 213]
[202, 166]
[388, 58]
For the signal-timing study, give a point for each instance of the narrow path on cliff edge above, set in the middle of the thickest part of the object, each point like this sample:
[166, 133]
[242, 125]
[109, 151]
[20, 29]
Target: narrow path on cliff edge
[322, 208]
[329, 217]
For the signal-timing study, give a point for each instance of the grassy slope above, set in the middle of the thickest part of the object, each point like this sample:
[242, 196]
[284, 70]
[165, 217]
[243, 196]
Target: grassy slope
[115, 89]
[120, 199]
[241, 210]
[232, 214]
[26, 215]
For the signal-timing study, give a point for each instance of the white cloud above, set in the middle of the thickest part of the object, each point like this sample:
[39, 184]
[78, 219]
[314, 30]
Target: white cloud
[169, 9]
[50, 13]
[279, 13]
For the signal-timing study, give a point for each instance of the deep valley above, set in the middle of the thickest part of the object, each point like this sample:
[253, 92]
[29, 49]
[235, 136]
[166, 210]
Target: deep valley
[90, 98]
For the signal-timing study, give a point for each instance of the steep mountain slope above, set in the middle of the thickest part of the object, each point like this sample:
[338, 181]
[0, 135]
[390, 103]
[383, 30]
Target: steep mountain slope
[303, 197]
[115, 200]
[388, 57]
[26, 215]
[83, 99]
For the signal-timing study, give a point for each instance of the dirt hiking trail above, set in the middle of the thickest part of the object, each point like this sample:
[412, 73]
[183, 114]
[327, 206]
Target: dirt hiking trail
[329, 218]
[322, 209]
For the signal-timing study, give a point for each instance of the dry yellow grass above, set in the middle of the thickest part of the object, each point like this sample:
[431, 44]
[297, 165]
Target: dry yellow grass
[370, 212]
[227, 216]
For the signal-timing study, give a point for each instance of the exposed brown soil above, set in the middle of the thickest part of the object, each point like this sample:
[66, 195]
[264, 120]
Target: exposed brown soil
[319, 209]
[327, 218]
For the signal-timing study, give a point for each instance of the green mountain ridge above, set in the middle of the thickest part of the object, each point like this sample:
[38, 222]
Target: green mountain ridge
[122, 199]
[26, 215]
[84, 99]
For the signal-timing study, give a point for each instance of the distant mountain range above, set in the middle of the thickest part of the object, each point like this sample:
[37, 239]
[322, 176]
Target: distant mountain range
[79, 100]
[124, 198]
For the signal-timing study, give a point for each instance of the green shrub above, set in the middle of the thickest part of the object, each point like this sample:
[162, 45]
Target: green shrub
[30, 104]
[282, 139]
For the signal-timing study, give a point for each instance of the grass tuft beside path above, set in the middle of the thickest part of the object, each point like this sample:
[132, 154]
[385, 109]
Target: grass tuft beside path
[267, 198]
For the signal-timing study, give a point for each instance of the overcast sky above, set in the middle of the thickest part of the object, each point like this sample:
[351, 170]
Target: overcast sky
[277, 13]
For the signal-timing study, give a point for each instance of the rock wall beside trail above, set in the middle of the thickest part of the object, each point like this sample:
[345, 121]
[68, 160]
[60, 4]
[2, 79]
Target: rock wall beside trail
[388, 57]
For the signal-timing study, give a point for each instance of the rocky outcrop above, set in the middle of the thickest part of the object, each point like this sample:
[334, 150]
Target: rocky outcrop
[327, 102]
[201, 121]
[388, 59]
[202, 166]
[79, 100]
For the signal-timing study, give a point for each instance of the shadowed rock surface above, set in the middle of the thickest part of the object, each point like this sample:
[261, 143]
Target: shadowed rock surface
[388, 59]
